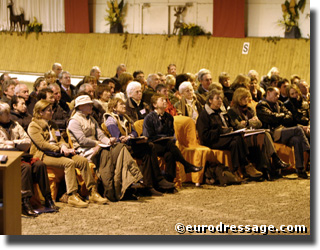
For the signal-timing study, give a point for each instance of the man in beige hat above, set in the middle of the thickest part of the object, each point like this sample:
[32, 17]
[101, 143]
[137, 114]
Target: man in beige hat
[113, 161]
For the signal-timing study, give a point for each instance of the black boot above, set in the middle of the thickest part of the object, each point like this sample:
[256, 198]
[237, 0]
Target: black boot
[27, 208]
[188, 168]
[278, 163]
[164, 184]
[50, 204]
[302, 173]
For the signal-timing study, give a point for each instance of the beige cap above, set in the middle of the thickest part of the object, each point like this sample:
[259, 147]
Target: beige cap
[83, 99]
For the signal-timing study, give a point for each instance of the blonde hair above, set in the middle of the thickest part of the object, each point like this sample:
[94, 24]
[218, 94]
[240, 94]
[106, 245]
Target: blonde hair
[114, 102]
[241, 81]
[170, 80]
[49, 74]
[88, 79]
[39, 107]
[239, 94]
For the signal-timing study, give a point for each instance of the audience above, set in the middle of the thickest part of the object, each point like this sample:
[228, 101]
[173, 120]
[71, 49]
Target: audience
[50, 77]
[213, 125]
[299, 108]
[103, 94]
[261, 145]
[68, 91]
[158, 128]
[282, 86]
[205, 80]
[8, 91]
[13, 136]
[49, 146]
[153, 80]
[57, 69]
[113, 161]
[39, 84]
[163, 90]
[136, 108]
[19, 112]
[120, 126]
[188, 105]
[282, 115]
[96, 72]
[22, 90]
[172, 69]
[275, 116]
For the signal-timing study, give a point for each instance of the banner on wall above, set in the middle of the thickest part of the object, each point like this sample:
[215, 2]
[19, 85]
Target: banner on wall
[228, 18]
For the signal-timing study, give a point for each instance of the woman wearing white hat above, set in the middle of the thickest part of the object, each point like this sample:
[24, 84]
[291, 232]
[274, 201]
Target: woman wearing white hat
[110, 159]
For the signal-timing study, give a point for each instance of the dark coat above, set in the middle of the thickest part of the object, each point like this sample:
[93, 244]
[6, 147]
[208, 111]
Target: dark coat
[273, 116]
[30, 104]
[300, 111]
[60, 116]
[147, 94]
[201, 94]
[65, 96]
[155, 127]
[210, 126]
[23, 119]
[228, 93]
[237, 116]
[137, 112]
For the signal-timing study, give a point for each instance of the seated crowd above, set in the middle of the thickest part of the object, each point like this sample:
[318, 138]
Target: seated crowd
[95, 124]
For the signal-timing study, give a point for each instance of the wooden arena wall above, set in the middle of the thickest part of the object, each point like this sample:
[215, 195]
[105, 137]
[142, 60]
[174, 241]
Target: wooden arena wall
[152, 53]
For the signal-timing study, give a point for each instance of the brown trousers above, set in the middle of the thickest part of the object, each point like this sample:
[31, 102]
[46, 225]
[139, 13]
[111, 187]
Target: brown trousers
[69, 165]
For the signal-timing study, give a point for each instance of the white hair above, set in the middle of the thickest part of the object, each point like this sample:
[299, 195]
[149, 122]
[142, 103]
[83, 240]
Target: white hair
[17, 88]
[56, 65]
[94, 69]
[150, 78]
[202, 72]
[183, 86]
[131, 87]
[84, 86]
[272, 71]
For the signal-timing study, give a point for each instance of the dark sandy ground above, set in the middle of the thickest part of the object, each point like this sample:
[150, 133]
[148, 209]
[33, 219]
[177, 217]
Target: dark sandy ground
[281, 202]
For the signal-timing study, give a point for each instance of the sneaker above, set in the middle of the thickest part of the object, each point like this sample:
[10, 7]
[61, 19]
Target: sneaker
[95, 197]
[252, 171]
[75, 201]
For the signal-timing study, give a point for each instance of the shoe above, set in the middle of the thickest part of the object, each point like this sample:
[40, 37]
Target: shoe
[75, 201]
[280, 164]
[239, 174]
[252, 171]
[50, 204]
[210, 181]
[164, 184]
[197, 184]
[191, 168]
[27, 208]
[129, 196]
[154, 192]
[302, 174]
[95, 197]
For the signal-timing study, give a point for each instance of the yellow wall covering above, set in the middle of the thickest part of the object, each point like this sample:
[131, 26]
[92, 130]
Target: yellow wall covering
[152, 53]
